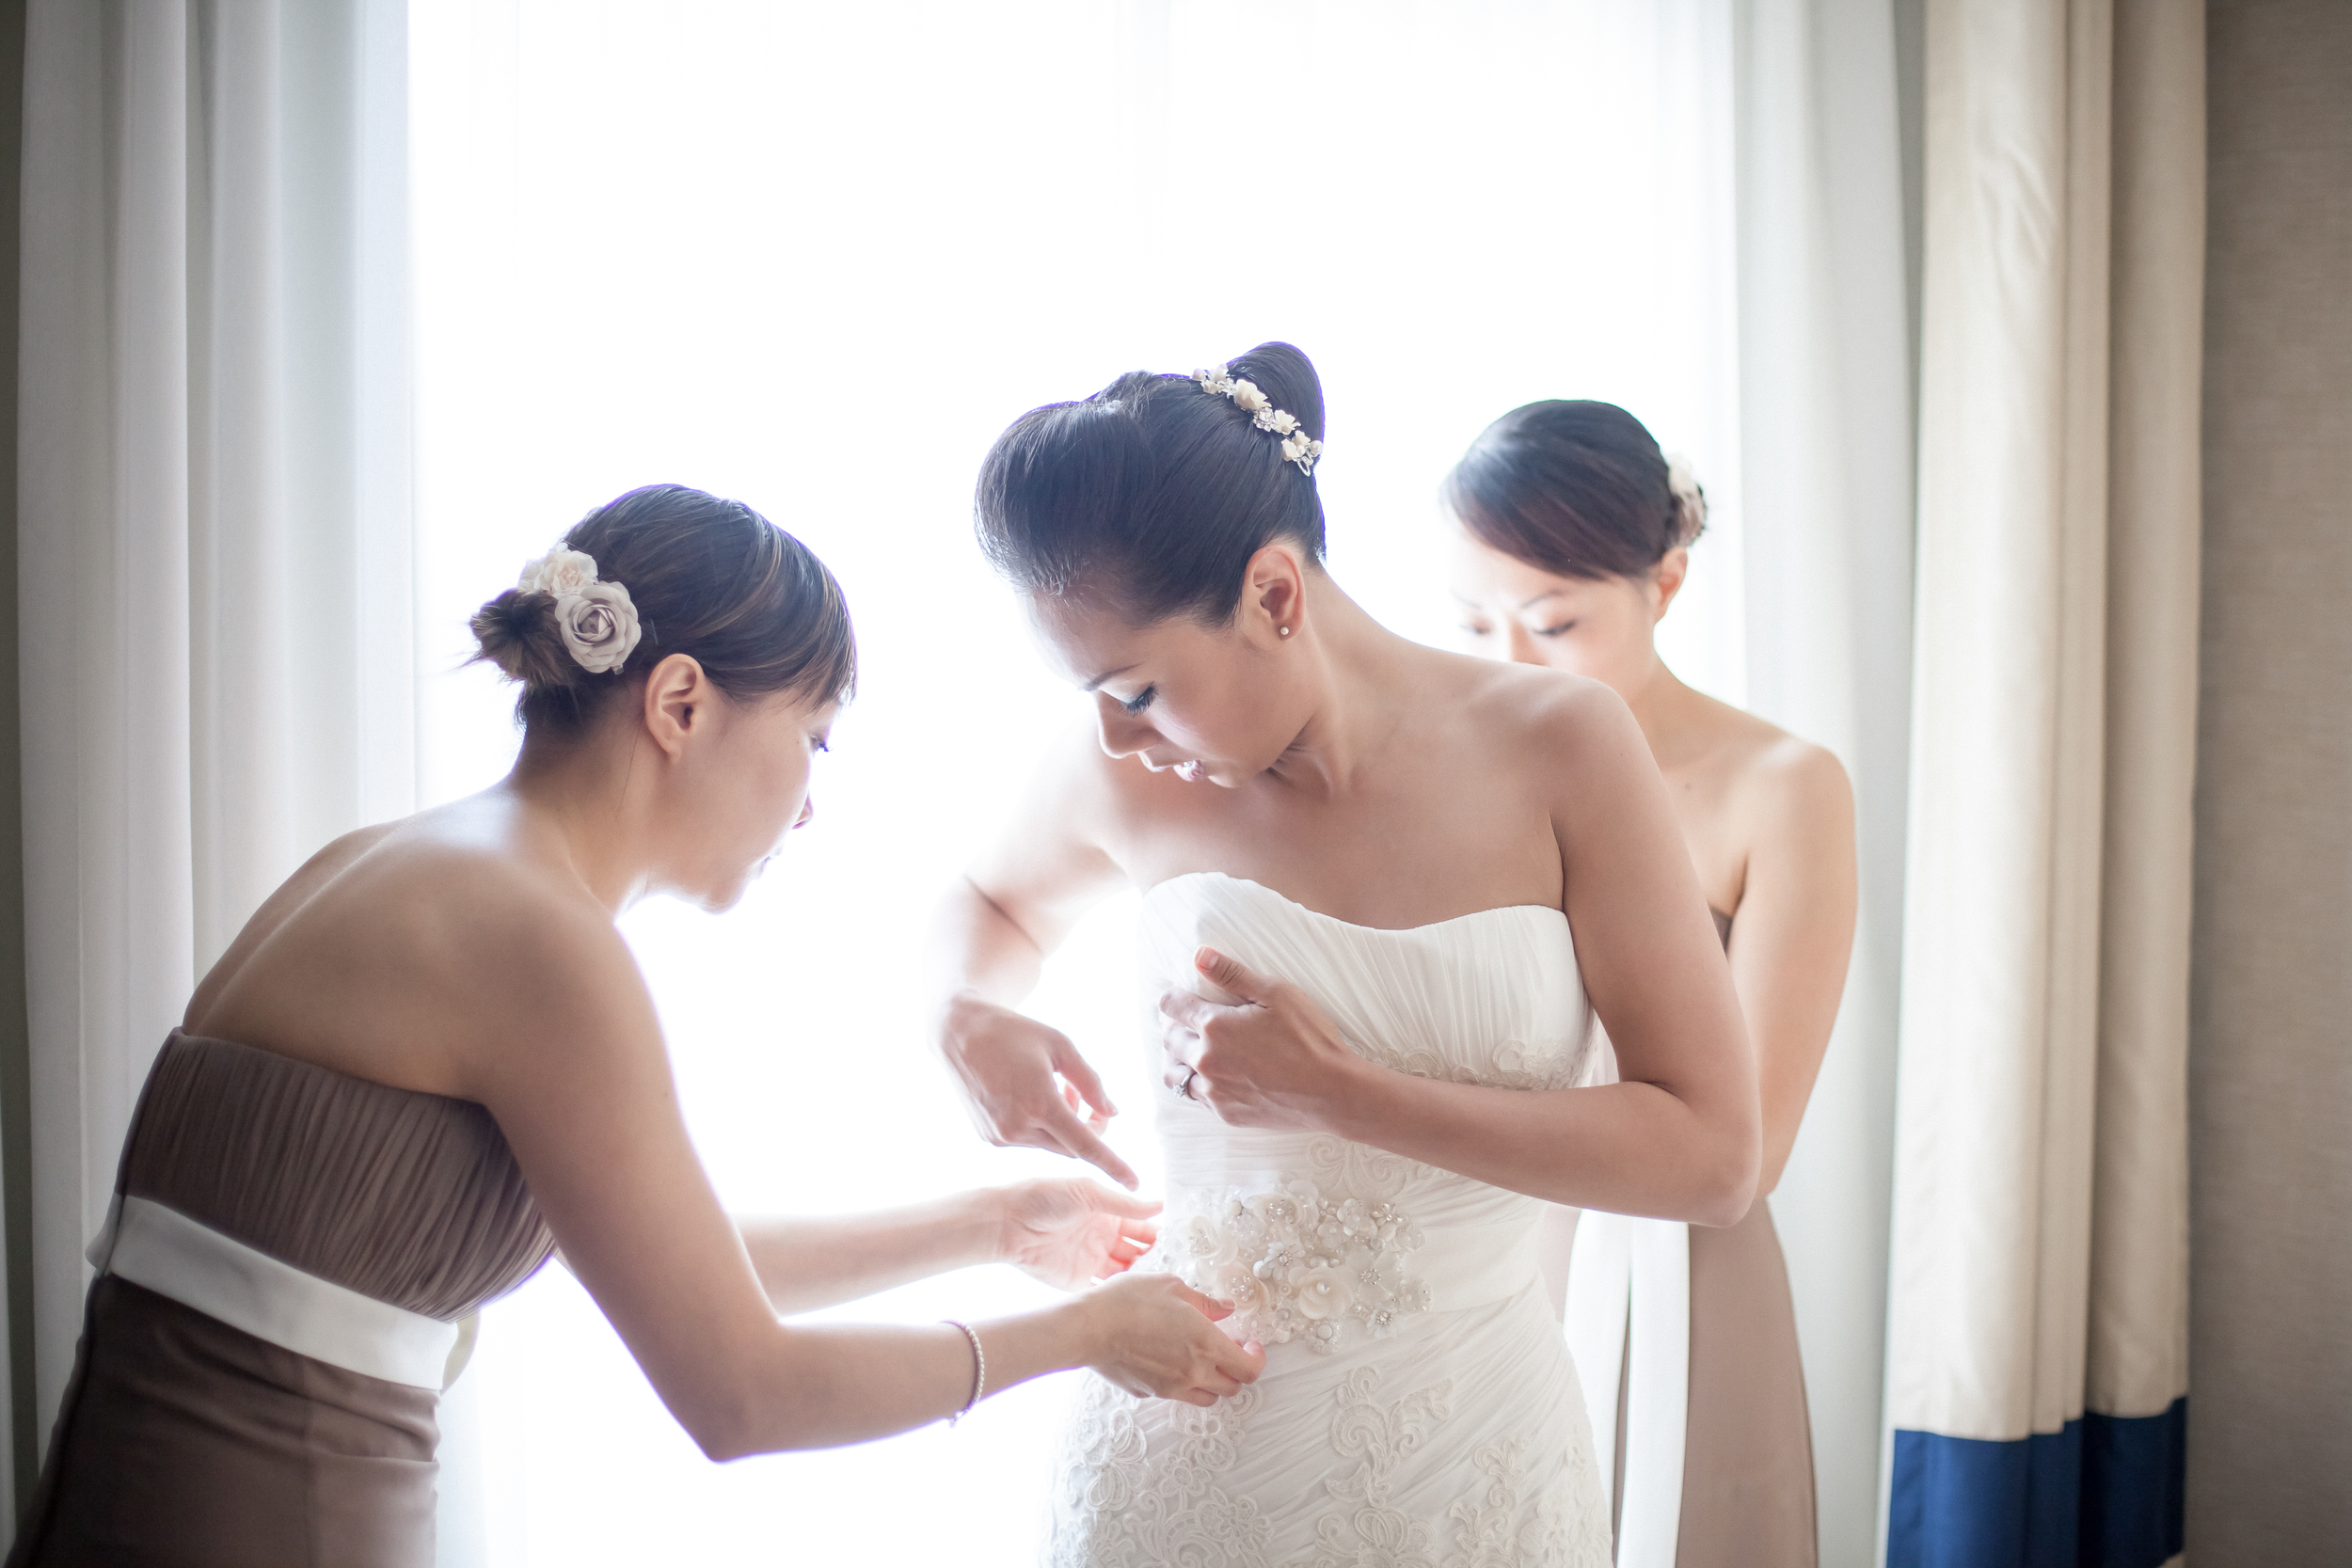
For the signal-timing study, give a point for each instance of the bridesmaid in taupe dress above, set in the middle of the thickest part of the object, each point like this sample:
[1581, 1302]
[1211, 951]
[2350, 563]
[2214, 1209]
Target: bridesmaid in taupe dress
[1573, 541]
[428, 1060]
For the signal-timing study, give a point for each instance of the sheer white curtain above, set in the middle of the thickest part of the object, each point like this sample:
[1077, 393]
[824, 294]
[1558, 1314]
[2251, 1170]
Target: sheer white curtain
[816, 258]
[1826, 461]
[215, 591]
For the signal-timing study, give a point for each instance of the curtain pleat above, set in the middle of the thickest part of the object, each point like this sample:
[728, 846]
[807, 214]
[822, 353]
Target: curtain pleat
[217, 661]
[2038, 1295]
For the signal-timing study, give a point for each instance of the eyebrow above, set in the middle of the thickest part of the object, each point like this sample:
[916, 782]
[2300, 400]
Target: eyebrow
[1107, 675]
[1549, 594]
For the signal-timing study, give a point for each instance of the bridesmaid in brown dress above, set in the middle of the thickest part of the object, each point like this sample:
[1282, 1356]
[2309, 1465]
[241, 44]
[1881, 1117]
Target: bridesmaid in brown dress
[429, 1061]
[1574, 540]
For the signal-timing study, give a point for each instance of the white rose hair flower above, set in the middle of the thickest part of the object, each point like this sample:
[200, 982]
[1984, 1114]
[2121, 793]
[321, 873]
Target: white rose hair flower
[596, 618]
[1690, 498]
[559, 572]
[599, 626]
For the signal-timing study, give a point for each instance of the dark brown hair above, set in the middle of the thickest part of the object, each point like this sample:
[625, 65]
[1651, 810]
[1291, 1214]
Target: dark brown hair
[710, 578]
[1574, 487]
[1152, 492]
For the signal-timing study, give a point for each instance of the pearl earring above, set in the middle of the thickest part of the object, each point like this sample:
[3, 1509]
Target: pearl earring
[1286, 632]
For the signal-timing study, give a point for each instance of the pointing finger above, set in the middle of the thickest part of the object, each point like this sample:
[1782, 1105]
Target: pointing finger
[1081, 1075]
[1078, 1141]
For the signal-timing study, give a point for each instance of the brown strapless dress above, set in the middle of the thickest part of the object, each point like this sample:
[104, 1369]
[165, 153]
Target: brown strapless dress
[1747, 1454]
[185, 1443]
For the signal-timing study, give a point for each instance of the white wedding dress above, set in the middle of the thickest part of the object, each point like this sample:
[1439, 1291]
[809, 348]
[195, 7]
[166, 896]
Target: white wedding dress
[1418, 1408]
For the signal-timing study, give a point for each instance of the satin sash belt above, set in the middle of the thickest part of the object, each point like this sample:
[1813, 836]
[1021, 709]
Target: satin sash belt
[165, 1251]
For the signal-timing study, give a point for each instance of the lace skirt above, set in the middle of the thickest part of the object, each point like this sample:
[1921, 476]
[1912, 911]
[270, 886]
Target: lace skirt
[1457, 1442]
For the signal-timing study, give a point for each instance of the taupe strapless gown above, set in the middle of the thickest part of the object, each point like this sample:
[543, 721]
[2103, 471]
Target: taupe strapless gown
[1747, 1446]
[185, 1443]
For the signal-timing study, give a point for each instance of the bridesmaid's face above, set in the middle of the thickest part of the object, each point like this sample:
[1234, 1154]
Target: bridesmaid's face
[1598, 627]
[743, 787]
[1211, 705]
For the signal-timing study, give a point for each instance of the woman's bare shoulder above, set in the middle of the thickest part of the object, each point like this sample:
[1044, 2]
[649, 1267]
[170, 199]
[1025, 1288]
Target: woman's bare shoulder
[465, 896]
[1777, 778]
[414, 949]
[1539, 712]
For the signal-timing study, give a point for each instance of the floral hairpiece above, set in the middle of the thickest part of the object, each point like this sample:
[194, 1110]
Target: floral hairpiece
[1297, 446]
[1687, 493]
[597, 619]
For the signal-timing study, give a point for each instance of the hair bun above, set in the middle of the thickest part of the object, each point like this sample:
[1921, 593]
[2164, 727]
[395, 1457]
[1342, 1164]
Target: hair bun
[518, 634]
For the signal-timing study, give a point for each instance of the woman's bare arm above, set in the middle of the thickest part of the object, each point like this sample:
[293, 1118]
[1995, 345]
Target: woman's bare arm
[1793, 939]
[569, 1057]
[1023, 1083]
[1070, 1233]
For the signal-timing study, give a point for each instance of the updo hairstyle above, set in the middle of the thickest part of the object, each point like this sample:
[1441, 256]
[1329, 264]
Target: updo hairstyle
[1573, 488]
[710, 578]
[1154, 493]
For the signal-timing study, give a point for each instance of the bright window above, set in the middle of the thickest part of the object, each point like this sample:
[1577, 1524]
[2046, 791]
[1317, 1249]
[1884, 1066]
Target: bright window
[815, 257]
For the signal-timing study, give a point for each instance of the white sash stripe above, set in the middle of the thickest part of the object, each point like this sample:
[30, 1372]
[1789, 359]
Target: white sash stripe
[220, 1276]
[1657, 1416]
[1635, 1273]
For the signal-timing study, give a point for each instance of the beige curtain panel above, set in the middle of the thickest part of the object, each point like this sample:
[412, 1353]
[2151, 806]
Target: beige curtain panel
[2038, 1351]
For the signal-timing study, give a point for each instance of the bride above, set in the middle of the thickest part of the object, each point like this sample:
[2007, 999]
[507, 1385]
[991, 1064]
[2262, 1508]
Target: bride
[1386, 889]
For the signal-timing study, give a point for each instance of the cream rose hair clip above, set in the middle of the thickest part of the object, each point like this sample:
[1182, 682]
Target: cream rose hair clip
[597, 619]
[1688, 496]
[1297, 446]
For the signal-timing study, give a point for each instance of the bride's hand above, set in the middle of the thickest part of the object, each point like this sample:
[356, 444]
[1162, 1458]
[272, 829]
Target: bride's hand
[1274, 1060]
[1071, 1232]
[1026, 1086]
[1151, 1334]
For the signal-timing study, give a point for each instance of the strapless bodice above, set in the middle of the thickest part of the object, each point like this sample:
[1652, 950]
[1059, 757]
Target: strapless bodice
[1318, 1239]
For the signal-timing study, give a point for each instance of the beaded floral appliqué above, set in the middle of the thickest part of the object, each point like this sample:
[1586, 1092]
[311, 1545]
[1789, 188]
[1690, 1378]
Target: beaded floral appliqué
[1298, 1265]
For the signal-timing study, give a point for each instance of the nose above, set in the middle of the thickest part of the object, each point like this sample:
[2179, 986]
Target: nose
[1122, 735]
[1520, 644]
[808, 810]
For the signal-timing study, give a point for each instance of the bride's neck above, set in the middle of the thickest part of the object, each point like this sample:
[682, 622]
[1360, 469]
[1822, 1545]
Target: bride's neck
[1355, 663]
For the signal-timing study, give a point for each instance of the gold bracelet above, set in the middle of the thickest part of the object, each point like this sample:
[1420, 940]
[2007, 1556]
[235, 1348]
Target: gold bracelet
[979, 1370]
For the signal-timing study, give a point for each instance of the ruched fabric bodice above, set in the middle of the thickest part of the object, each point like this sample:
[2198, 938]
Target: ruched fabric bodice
[412, 1198]
[1491, 998]
[1418, 1406]
[186, 1441]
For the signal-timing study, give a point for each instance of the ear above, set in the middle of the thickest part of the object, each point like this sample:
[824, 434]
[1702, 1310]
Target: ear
[1274, 594]
[1671, 571]
[677, 698]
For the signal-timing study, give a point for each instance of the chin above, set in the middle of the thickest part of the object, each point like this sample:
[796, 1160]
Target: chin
[720, 900]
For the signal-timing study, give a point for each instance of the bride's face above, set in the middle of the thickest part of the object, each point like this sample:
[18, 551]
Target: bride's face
[1213, 705]
[1598, 628]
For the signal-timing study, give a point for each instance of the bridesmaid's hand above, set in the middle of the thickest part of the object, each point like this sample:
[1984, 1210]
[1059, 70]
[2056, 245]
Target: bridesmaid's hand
[1151, 1334]
[1274, 1060]
[1026, 1086]
[1071, 1232]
